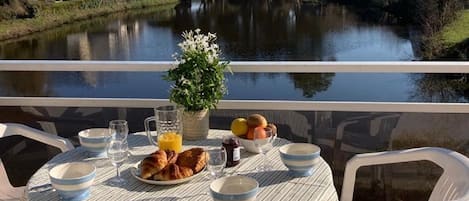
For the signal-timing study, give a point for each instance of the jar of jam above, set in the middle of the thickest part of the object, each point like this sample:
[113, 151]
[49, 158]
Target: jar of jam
[233, 155]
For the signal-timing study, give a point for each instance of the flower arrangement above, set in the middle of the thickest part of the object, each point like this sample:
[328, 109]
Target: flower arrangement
[198, 78]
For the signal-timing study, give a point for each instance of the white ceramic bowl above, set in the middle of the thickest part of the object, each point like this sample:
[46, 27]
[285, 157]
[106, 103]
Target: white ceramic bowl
[239, 188]
[249, 145]
[73, 180]
[300, 158]
[94, 140]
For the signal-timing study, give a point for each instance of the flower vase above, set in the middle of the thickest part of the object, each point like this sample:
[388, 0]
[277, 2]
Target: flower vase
[195, 124]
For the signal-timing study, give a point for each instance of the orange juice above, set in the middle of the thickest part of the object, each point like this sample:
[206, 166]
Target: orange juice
[170, 141]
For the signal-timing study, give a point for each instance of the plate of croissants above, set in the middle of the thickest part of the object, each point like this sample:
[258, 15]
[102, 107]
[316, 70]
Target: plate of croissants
[165, 167]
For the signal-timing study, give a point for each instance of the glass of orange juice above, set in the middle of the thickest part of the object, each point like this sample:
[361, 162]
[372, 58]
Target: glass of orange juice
[168, 120]
[170, 141]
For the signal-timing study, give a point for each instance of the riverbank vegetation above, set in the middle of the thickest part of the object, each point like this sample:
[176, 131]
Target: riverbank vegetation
[455, 38]
[22, 17]
[441, 23]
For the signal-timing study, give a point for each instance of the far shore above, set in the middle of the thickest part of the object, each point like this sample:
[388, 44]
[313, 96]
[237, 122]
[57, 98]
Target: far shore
[455, 38]
[66, 12]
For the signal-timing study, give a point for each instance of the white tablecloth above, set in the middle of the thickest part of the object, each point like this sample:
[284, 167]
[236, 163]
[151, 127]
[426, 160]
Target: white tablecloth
[274, 185]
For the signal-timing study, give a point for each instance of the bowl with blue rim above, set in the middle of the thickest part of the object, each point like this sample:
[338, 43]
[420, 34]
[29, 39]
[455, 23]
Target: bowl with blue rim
[95, 140]
[239, 188]
[300, 158]
[73, 180]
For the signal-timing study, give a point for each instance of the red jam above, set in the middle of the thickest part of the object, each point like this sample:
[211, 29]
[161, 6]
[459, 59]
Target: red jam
[231, 145]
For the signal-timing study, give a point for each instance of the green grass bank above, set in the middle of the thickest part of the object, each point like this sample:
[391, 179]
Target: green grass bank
[455, 38]
[52, 14]
[457, 31]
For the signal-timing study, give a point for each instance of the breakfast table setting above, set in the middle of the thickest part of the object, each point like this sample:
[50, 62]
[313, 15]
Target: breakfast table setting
[178, 156]
[280, 182]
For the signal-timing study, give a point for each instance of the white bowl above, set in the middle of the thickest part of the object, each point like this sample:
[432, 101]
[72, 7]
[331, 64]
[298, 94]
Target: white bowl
[73, 180]
[249, 145]
[240, 188]
[300, 158]
[94, 140]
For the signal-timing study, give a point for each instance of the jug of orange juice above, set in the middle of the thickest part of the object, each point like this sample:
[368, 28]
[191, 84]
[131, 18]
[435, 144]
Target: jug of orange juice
[168, 120]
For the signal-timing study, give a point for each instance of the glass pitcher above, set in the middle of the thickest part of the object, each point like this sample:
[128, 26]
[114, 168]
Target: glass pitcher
[168, 120]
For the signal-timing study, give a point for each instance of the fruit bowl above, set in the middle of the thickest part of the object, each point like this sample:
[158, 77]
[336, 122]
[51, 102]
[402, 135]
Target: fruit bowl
[244, 130]
[249, 145]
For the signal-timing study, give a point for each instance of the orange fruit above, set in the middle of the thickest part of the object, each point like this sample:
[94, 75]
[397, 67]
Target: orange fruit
[260, 132]
[250, 135]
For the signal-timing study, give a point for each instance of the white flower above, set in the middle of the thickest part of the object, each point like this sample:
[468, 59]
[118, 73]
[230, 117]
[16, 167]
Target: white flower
[196, 43]
[210, 59]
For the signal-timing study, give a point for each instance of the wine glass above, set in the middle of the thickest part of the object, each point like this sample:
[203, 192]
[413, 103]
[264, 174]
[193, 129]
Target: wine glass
[216, 161]
[263, 138]
[119, 130]
[117, 153]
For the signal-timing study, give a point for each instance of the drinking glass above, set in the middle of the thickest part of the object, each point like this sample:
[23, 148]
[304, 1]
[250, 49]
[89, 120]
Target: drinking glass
[216, 162]
[263, 138]
[117, 153]
[119, 130]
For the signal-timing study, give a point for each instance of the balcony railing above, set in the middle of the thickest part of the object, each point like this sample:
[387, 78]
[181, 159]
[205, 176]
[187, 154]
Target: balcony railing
[251, 67]
[338, 142]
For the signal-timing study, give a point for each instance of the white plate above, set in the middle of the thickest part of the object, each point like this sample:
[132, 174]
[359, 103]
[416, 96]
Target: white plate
[135, 171]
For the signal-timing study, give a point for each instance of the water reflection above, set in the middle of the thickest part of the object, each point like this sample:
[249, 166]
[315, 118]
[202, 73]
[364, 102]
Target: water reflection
[441, 87]
[247, 30]
[311, 83]
[116, 42]
[288, 30]
[25, 84]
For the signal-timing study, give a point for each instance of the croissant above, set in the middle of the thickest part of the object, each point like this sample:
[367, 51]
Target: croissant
[153, 164]
[171, 156]
[172, 172]
[194, 158]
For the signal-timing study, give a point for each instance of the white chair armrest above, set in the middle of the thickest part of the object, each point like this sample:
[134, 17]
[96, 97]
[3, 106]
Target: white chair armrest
[38, 135]
[380, 158]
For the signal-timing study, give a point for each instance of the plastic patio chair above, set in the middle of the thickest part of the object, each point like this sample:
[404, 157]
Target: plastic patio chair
[7, 191]
[379, 129]
[362, 133]
[452, 185]
[326, 133]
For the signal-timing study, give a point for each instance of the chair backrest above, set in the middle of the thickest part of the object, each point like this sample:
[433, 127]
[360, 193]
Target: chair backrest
[454, 182]
[322, 119]
[7, 191]
[453, 185]
[383, 126]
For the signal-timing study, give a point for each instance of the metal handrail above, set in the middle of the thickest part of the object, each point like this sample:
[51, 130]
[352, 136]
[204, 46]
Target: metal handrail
[256, 67]
[240, 66]
[244, 104]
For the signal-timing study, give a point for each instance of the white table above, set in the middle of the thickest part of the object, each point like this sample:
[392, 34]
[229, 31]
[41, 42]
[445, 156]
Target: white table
[274, 185]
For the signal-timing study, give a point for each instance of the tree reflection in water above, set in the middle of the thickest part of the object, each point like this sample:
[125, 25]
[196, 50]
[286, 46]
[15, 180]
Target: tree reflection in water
[441, 87]
[311, 83]
[257, 30]
[25, 84]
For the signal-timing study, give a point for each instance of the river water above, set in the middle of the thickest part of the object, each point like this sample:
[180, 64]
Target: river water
[247, 30]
